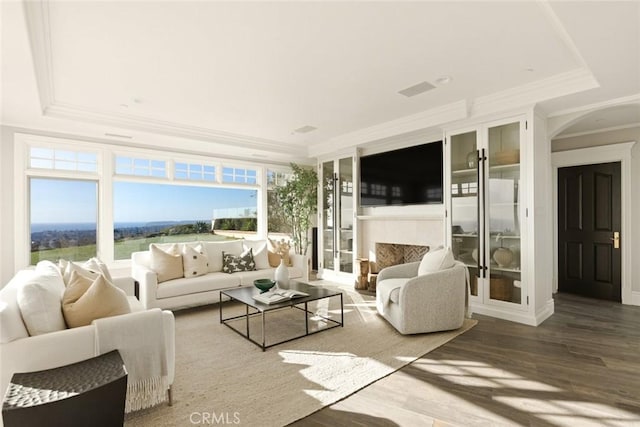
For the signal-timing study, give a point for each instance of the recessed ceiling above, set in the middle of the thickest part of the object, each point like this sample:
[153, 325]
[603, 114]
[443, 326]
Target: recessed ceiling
[247, 74]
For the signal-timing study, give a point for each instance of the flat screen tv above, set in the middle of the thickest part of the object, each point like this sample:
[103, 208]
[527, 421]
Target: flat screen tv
[408, 176]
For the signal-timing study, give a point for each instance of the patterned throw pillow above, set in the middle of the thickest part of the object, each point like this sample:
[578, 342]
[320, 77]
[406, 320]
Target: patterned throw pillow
[194, 261]
[234, 263]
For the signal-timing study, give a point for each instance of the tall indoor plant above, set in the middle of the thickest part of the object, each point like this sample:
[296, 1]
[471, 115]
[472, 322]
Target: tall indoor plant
[298, 202]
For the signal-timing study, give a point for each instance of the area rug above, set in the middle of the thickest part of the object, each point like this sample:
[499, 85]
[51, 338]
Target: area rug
[221, 378]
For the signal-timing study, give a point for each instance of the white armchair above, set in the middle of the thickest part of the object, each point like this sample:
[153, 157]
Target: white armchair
[417, 304]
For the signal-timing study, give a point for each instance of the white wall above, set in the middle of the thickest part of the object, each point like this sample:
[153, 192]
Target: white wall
[6, 205]
[613, 137]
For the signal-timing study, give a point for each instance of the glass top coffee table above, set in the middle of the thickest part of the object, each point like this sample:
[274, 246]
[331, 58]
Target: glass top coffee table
[244, 295]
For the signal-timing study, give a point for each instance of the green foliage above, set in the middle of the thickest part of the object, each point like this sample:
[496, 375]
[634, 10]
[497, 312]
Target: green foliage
[298, 200]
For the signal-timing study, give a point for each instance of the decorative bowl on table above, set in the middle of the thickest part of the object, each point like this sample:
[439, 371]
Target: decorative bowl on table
[264, 284]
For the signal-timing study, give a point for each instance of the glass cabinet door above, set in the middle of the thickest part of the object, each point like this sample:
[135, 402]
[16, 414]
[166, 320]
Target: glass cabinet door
[345, 218]
[464, 203]
[502, 211]
[328, 210]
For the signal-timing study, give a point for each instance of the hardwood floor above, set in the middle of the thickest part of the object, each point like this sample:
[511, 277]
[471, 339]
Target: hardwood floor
[581, 367]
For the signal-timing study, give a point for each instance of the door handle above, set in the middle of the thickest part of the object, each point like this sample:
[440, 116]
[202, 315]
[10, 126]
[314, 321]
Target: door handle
[616, 239]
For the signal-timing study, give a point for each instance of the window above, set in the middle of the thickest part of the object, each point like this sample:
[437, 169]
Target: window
[63, 219]
[78, 205]
[147, 213]
[276, 221]
[62, 159]
[195, 172]
[141, 167]
[238, 175]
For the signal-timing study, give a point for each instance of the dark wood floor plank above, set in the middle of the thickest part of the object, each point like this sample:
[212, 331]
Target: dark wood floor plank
[580, 367]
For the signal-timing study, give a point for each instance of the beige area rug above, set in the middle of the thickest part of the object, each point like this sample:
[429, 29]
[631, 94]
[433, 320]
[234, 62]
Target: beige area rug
[221, 378]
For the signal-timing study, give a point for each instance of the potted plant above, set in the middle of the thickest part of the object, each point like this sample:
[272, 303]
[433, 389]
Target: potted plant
[298, 203]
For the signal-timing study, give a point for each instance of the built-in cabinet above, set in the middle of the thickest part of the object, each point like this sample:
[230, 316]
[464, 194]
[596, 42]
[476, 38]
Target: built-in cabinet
[337, 199]
[490, 197]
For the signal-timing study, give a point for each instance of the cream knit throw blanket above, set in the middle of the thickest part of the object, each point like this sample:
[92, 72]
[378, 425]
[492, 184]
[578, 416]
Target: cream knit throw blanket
[139, 337]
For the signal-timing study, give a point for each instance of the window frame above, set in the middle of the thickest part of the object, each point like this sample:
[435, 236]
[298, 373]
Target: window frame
[105, 176]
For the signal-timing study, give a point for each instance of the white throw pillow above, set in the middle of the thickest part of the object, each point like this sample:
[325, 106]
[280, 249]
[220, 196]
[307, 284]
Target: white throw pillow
[214, 252]
[195, 263]
[436, 260]
[260, 253]
[72, 266]
[97, 266]
[40, 305]
[85, 300]
[167, 265]
[51, 273]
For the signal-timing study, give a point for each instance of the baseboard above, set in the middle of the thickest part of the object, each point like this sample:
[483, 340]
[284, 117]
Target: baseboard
[513, 316]
[635, 298]
[545, 312]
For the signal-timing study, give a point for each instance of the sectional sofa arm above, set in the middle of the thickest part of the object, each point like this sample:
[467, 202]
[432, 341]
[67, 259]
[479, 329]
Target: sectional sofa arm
[126, 283]
[409, 269]
[148, 283]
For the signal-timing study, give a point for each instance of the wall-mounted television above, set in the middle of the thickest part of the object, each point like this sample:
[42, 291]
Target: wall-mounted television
[408, 176]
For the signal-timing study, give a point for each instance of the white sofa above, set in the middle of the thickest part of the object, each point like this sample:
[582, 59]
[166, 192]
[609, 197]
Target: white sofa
[205, 289]
[20, 352]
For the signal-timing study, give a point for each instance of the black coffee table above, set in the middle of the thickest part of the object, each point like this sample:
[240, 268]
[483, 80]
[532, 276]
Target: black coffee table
[244, 295]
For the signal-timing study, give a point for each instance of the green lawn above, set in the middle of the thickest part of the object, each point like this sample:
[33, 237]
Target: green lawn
[123, 249]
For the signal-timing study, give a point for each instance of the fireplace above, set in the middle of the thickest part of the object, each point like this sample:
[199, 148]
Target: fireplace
[388, 254]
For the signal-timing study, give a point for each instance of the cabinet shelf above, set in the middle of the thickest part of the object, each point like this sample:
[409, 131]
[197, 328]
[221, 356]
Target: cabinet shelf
[465, 235]
[505, 168]
[464, 171]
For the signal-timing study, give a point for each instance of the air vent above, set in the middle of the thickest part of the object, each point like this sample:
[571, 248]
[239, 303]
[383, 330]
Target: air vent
[416, 89]
[305, 129]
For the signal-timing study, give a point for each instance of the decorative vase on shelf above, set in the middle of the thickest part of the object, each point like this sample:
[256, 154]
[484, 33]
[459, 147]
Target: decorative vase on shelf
[503, 256]
[472, 159]
[282, 275]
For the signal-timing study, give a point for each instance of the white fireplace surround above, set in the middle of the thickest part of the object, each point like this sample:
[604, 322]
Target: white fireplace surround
[406, 225]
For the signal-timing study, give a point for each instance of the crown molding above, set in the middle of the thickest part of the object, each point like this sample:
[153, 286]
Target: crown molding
[145, 124]
[540, 90]
[415, 122]
[616, 102]
[39, 31]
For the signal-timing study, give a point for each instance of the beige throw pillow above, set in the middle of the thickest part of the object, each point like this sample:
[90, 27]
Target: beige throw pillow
[85, 300]
[167, 265]
[194, 261]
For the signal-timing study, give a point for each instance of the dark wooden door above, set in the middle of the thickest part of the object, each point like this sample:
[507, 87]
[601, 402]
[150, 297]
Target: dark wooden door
[589, 215]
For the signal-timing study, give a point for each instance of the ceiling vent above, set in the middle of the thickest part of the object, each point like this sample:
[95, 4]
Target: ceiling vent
[416, 89]
[305, 129]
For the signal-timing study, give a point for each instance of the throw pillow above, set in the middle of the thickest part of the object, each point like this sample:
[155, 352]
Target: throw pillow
[214, 250]
[72, 266]
[97, 266]
[39, 303]
[260, 253]
[194, 261]
[51, 274]
[85, 300]
[167, 265]
[436, 260]
[234, 263]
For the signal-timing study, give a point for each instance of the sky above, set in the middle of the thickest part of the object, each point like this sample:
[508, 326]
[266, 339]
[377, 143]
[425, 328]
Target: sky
[64, 201]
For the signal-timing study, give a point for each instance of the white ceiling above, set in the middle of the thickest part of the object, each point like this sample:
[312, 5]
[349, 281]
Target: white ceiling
[237, 78]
